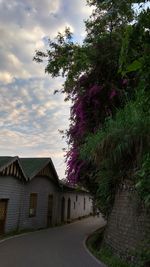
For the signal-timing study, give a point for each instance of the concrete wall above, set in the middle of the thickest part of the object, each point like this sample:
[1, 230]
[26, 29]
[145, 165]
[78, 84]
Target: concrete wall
[129, 222]
[77, 205]
[43, 187]
[12, 189]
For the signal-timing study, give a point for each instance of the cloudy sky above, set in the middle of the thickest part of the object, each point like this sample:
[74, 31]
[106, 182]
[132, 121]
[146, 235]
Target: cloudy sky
[30, 114]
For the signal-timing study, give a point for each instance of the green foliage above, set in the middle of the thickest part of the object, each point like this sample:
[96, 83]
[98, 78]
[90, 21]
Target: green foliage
[71, 60]
[142, 252]
[143, 256]
[134, 54]
[103, 252]
[105, 191]
[105, 255]
[134, 66]
[124, 50]
[143, 180]
[128, 128]
[65, 59]
[119, 148]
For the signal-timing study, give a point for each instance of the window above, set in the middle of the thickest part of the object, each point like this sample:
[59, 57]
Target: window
[33, 205]
[74, 205]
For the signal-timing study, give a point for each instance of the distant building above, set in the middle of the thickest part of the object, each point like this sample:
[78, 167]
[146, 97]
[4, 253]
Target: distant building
[32, 197]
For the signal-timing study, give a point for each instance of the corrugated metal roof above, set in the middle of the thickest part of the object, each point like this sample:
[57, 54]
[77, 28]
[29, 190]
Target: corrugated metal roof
[32, 166]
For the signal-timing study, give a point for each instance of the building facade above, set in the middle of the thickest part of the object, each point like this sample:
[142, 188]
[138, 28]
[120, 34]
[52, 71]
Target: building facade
[32, 197]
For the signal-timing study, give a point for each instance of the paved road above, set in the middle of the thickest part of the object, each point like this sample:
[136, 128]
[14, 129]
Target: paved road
[54, 247]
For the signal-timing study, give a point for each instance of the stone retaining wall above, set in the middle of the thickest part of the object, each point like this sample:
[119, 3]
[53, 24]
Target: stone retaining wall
[129, 223]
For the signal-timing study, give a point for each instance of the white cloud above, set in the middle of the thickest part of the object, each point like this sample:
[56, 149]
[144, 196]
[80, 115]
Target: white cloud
[30, 119]
[14, 60]
[6, 77]
[30, 114]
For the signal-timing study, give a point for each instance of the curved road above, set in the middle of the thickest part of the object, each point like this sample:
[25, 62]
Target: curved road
[55, 247]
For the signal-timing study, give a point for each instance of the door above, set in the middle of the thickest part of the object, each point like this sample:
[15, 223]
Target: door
[62, 209]
[69, 209]
[50, 211]
[3, 212]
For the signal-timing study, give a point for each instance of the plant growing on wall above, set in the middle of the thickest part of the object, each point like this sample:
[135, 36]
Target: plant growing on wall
[101, 76]
[121, 148]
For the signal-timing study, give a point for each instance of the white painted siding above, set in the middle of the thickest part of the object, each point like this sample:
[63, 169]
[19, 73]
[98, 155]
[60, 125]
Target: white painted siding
[43, 187]
[77, 199]
[12, 189]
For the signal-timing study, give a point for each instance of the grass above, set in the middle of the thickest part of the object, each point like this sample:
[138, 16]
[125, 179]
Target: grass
[104, 253]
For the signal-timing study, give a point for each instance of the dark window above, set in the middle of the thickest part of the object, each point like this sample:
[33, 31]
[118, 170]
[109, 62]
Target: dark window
[74, 205]
[84, 203]
[33, 205]
[50, 210]
[69, 209]
[62, 209]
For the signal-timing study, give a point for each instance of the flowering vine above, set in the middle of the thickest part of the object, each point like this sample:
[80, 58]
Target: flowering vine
[91, 105]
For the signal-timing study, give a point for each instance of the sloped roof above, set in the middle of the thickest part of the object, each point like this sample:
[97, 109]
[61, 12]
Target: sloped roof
[32, 166]
[66, 187]
[5, 161]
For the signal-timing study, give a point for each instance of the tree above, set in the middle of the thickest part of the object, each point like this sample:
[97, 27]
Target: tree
[93, 82]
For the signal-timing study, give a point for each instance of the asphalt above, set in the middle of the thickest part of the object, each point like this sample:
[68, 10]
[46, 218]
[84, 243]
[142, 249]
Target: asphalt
[55, 247]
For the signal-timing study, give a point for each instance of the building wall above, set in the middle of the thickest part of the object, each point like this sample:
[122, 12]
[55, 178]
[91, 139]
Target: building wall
[77, 205]
[43, 187]
[18, 194]
[12, 189]
[128, 224]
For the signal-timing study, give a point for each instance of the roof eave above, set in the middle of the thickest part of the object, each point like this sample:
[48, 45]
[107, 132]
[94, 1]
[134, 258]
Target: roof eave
[16, 158]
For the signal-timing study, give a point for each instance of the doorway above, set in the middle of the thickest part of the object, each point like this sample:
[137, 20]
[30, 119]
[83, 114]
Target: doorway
[69, 209]
[3, 213]
[62, 209]
[50, 211]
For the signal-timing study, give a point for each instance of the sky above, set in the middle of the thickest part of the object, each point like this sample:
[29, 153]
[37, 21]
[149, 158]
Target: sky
[30, 114]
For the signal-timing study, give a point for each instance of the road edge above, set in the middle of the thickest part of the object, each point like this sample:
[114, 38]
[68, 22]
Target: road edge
[89, 252]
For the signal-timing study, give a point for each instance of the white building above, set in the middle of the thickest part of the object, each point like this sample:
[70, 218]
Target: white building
[32, 197]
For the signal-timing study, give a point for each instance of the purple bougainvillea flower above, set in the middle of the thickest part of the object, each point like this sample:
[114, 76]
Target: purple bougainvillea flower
[94, 90]
[96, 103]
[112, 94]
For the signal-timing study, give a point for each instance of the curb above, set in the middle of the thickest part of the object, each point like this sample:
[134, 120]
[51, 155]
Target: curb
[88, 251]
[15, 236]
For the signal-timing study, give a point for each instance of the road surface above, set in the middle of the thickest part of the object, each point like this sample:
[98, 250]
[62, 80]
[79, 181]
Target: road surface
[54, 247]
